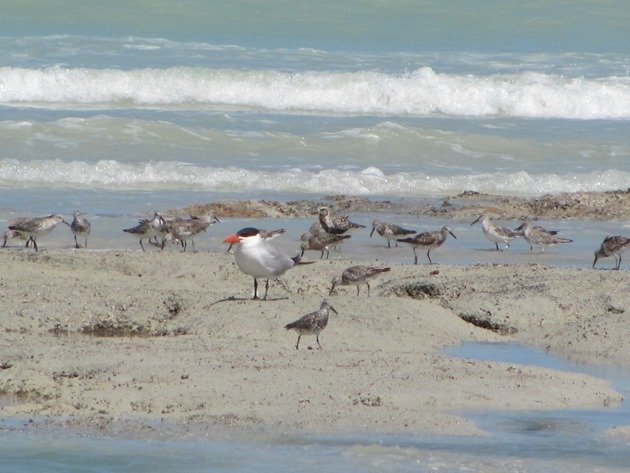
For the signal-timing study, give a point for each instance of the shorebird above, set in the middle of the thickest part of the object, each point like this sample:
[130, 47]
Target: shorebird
[10, 234]
[612, 246]
[257, 257]
[36, 227]
[337, 224]
[80, 226]
[495, 232]
[538, 236]
[389, 231]
[357, 275]
[428, 240]
[318, 239]
[312, 323]
[147, 228]
[182, 230]
[265, 235]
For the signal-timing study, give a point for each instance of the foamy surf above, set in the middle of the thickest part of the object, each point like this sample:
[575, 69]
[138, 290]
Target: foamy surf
[114, 175]
[418, 93]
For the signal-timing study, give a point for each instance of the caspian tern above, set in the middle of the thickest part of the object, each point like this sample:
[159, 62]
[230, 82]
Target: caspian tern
[257, 257]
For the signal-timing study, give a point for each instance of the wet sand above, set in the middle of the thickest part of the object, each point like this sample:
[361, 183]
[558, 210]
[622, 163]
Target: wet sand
[117, 338]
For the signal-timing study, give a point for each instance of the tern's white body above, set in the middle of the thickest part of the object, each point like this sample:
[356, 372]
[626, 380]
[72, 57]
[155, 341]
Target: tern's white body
[258, 258]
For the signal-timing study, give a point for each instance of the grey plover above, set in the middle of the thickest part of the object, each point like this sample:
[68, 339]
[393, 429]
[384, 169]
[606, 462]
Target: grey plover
[312, 324]
[428, 240]
[318, 239]
[389, 231]
[256, 257]
[11, 234]
[538, 236]
[36, 227]
[148, 228]
[182, 230]
[496, 233]
[80, 226]
[612, 246]
[357, 275]
[336, 224]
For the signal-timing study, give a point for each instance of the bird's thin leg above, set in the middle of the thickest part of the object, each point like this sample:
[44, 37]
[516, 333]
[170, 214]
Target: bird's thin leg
[415, 260]
[76, 243]
[297, 345]
[5, 242]
[141, 246]
[255, 289]
[34, 243]
[429, 256]
[357, 289]
[619, 263]
[318, 344]
[368, 285]
[266, 289]
[497, 245]
[388, 244]
[86, 242]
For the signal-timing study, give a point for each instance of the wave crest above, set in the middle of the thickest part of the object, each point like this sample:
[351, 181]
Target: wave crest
[419, 93]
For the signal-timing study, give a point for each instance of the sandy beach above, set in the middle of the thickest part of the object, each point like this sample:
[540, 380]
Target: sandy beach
[108, 339]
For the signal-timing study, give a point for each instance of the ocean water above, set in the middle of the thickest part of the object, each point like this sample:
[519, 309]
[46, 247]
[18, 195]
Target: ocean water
[118, 108]
[202, 101]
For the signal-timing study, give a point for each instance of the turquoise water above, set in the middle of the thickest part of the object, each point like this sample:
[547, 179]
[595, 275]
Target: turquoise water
[407, 99]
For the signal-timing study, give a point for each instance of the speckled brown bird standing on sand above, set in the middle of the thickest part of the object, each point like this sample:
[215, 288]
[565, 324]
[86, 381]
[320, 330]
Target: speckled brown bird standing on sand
[336, 224]
[428, 240]
[389, 231]
[496, 233]
[318, 239]
[80, 226]
[357, 275]
[612, 246]
[312, 324]
[36, 227]
[147, 228]
[538, 236]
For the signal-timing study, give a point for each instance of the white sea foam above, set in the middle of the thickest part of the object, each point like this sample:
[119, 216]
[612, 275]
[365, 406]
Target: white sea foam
[422, 92]
[111, 174]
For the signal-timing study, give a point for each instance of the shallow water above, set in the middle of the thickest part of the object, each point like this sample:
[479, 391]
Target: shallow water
[534, 441]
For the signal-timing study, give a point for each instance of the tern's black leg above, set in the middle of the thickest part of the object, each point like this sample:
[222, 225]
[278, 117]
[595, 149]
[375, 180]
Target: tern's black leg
[76, 243]
[297, 345]
[34, 243]
[368, 285]
[266, 289]
[429, 256]
[415, 260]
[255, 289]
[141, 245]
[318, 344]
[619, 263]
[497, 245]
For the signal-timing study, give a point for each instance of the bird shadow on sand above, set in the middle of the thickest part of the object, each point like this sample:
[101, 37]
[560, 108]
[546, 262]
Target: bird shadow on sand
[237, 299]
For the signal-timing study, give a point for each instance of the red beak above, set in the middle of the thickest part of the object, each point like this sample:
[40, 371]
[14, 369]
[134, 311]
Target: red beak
[232, 239]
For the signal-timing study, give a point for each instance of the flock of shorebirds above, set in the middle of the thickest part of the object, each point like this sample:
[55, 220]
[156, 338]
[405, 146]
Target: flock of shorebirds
[256, 257]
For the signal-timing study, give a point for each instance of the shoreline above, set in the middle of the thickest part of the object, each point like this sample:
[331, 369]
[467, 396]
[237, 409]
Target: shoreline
[142, 339]
[606, 205]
